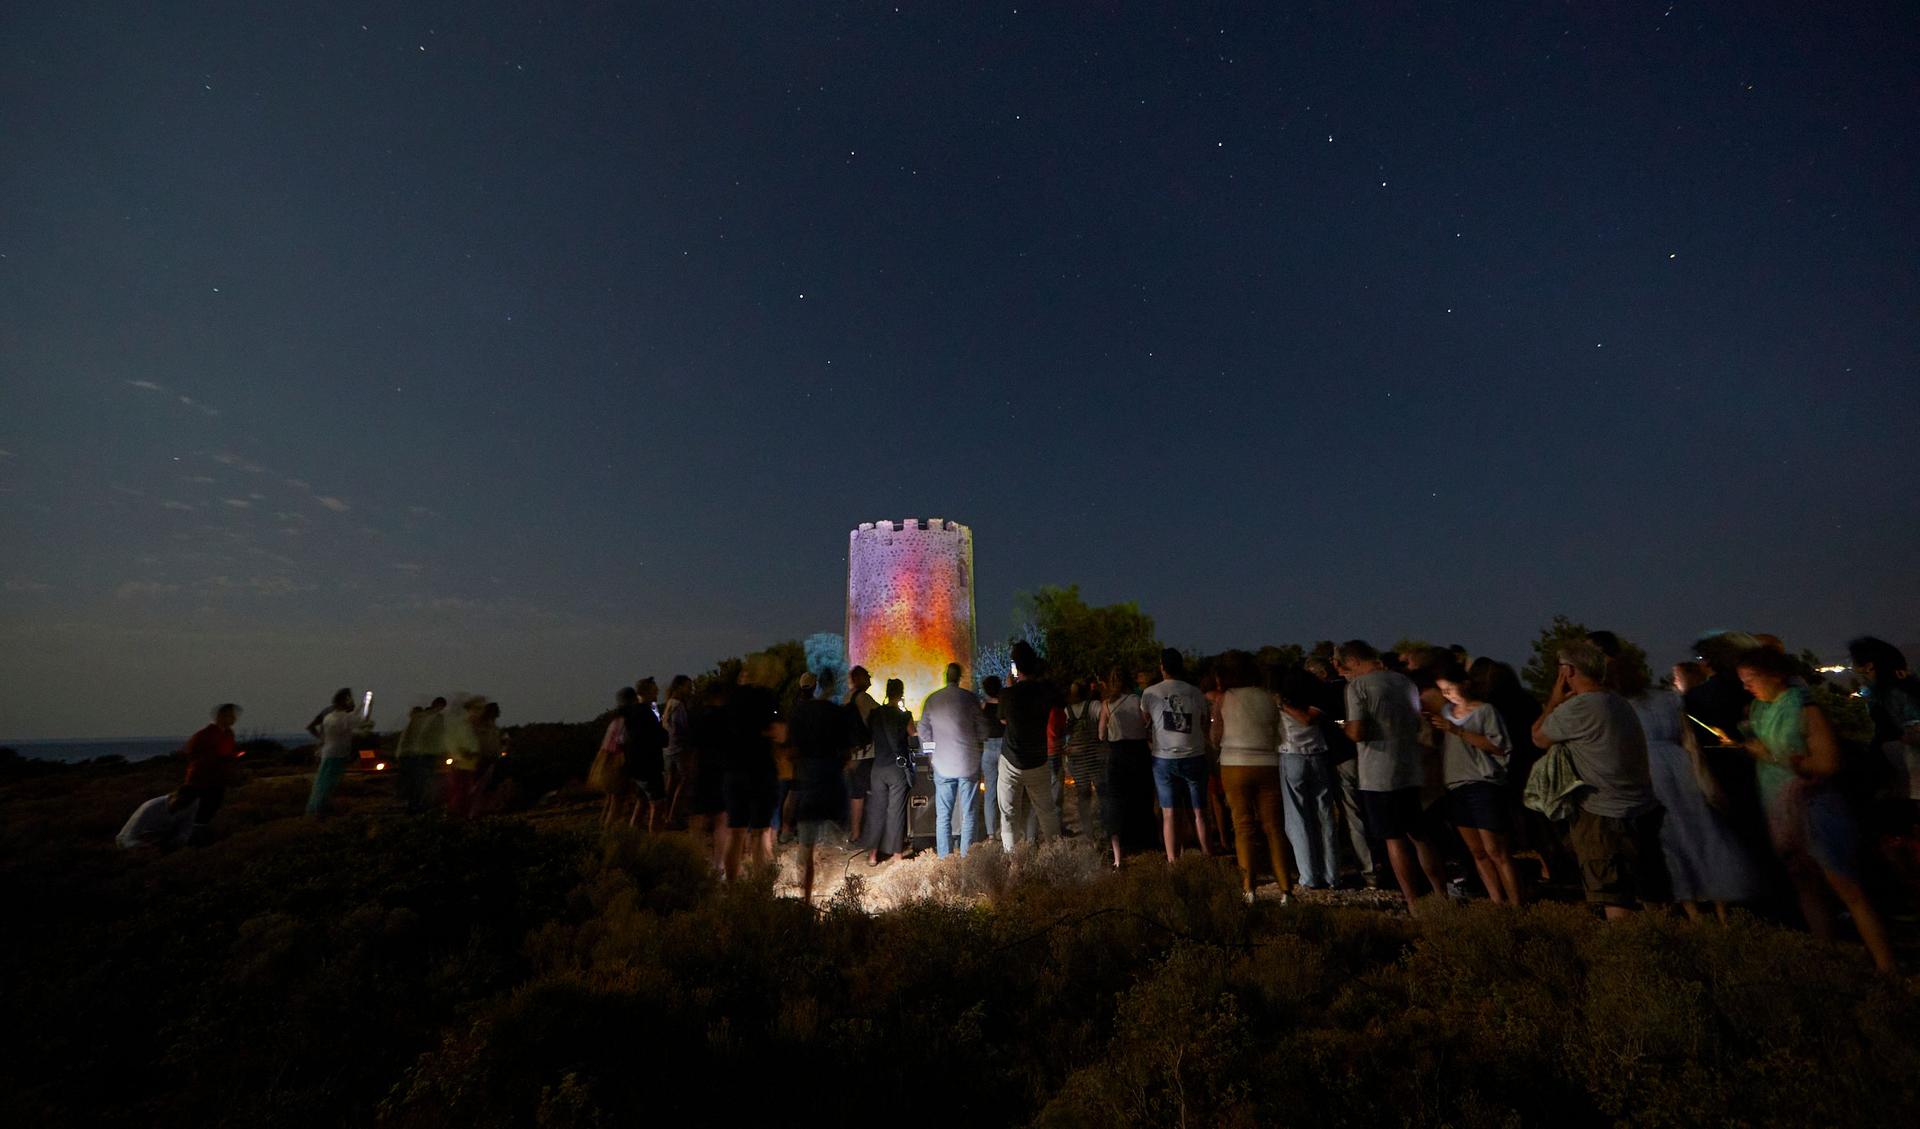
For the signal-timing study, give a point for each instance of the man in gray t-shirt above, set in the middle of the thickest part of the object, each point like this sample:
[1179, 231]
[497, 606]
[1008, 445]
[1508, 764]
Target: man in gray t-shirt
[1601, 731]
[1616, 832]
[1383, 722]
[1386, 707]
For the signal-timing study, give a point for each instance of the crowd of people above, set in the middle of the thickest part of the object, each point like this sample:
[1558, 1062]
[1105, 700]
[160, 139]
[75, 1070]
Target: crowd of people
[1354, 766]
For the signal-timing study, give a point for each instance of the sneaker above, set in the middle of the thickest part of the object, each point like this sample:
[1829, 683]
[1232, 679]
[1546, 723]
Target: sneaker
[1246, 896]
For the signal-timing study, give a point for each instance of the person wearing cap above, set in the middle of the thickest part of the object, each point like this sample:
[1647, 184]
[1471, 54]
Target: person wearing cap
[213, 765]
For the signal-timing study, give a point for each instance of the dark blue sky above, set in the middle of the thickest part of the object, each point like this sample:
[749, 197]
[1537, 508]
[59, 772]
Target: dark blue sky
[456, 346]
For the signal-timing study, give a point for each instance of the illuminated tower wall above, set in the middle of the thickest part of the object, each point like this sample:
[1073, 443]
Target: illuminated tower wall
[910, 603]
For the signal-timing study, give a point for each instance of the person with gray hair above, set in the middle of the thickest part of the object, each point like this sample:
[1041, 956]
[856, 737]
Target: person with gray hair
[1616, 831]
[953, 730]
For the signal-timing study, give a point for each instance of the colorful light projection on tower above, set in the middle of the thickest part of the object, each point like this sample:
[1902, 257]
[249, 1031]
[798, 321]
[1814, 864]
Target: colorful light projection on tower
[910, 603]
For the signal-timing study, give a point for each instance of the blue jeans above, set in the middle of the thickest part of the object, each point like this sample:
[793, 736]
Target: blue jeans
[990, 775]
[1174, 777]
[1311, 790]
[946, 790]
[324, 779]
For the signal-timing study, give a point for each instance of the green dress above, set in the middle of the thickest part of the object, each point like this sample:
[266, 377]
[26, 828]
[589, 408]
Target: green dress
[1781, 725]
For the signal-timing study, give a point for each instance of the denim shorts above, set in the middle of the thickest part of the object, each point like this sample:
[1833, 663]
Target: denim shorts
[1190, 772]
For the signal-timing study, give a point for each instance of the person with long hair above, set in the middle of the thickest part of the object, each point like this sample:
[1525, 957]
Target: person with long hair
[1796, 756]
[1474, 747]
[1246, 729]
[1123, 726]
[1706, 863]
[891, 726]
[609, 770]
[1086, 761]
[676, 718]
[1311, 781]
[1499, 686]
[337, 728]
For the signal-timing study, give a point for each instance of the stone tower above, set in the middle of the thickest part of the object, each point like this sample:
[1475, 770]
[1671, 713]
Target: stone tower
[910, 603]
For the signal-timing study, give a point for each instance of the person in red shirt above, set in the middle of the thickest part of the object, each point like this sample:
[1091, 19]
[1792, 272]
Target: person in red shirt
[213, 763]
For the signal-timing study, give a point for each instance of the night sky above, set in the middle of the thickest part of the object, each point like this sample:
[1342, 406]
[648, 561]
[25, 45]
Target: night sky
[464, 347]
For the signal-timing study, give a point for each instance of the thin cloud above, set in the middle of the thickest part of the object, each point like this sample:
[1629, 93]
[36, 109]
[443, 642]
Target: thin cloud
[332, 503]
[238, 503]
[170, 504]
[133, 588]
[146, 385]
[18, 585]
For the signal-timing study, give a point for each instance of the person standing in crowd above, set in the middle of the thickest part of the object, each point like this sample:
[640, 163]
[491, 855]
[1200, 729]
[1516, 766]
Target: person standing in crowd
[1246, 729]
[1026, 707]
[336, 728]
[890, 726]
[418, 755]
[708, 740]
[1705, 862]
[1893, 698]
[1797, 756]
[609, 771]
[753, 726]
[1616, 831]
[1123, 726]
[1499, 686]
[1056, 771]
[783, 819]
[818, 730]
[1474, 750]
[491, 741]
[953, 725]
[1383, 722]
[1086, 756]
[990, 755]
[860, 771]
[646, 760]
[676, 720]
[1177, 723]
[472, 747]
[213, 766]
[1346, 765]
[1310, 780]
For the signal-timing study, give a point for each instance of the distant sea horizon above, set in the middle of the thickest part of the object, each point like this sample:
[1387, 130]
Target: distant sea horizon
[73, 750]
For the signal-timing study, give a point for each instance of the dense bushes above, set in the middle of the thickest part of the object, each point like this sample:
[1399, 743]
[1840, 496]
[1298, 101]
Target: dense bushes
[431, 973]
[1154, 997]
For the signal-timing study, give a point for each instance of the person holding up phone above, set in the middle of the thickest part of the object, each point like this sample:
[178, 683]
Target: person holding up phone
[337, 728]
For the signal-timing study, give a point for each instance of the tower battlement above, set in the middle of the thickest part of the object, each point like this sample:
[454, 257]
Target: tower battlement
[910, 602]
